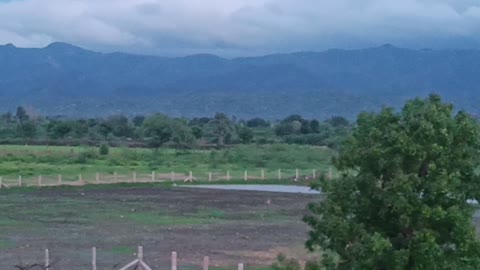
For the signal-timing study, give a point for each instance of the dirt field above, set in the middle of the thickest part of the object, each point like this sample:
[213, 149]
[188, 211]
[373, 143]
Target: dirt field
[228, 226]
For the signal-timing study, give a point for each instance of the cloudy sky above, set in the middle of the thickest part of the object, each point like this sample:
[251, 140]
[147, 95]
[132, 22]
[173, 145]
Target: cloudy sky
[240, 27]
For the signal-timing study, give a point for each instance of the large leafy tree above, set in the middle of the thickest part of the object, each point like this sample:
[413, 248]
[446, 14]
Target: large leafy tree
[158, 130]
[221, 128]
[403, 199]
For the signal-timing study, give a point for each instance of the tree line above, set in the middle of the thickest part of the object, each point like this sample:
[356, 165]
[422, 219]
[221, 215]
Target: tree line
[159, 130]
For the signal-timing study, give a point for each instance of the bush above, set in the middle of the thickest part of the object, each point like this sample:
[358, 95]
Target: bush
[104, 150]
[284, 263]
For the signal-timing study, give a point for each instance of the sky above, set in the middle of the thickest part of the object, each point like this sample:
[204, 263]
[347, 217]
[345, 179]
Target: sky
[240, 27]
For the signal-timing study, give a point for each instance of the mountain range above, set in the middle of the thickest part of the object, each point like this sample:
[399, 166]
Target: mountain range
[62, 79]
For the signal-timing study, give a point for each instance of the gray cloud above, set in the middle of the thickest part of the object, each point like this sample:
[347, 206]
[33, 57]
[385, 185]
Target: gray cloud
[239, 27]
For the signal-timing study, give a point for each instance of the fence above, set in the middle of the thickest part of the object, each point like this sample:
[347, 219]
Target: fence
[138, 264]
[155, 177]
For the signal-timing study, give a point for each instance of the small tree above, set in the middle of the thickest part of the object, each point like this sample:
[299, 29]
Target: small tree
[103, 149]
[401, 202]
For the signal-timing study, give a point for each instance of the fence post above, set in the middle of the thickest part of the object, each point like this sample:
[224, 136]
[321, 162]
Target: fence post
[206, 262]
[263, 174]
[47, 260]
[40, 181]
[19, 181]
[209, 176]
[279, 174]
[314, 174]
[174, 260]
[228, 175]
[140, 258]
[114, 176]
[190, 176]
[97, 177]
[1, 182]
[59, 179]
[240, 266]
[80, 179]
[153, 176]
[172, 176]
[134, 176]
[297, 175]
[94, 258]
[330, 173]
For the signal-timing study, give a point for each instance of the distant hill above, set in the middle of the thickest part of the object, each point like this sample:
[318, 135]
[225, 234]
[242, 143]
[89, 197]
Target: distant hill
[62, 79]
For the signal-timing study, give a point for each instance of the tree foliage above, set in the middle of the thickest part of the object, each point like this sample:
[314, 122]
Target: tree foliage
[401, 202]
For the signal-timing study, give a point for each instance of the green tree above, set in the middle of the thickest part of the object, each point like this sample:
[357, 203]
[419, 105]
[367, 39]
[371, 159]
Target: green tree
[221, 128]
[401, 202]
[157, 130]
[104, 129]
[245, 134]
[120, 126]
[182, 135]
[80, 128]
[21, 114]
[59, 129]
[257, 122]
[338, 121]
[315, 126]
[27, 130]
[138, 120]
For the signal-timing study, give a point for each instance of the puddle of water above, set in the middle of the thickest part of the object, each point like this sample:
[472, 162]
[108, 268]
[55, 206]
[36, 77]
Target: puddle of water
[265, 188]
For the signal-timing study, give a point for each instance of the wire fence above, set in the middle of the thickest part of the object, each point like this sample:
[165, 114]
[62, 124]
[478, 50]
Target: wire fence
[159, 177]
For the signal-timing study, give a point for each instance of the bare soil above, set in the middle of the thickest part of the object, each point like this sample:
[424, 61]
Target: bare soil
[229, 226]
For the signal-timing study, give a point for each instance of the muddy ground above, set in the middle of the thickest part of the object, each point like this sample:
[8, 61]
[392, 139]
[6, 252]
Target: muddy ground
[229, 226]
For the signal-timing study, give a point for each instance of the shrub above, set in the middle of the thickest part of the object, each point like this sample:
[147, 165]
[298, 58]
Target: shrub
[103, 149]
[284, 263]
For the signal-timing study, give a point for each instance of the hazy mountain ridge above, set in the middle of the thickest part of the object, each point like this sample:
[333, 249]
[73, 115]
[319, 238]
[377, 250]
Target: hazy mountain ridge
[64, 79]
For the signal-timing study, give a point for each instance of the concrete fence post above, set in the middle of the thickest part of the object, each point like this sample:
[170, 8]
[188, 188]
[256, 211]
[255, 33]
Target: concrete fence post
[134, 176]
[59, 179]
[140, 258]
[94, 258]
[40, 181]
[19, 181]
[174, 260]
[228, 175]
[1, 182]
[240, 266]
[80, 179]
[245, 176]
[314, 174]
[97, 177]
[279, 174]
[172, 176]
[153, 176]
[206, 262]
[297, 175]
[263, 174]
[209, 176]
[47, 260]
[115, 177]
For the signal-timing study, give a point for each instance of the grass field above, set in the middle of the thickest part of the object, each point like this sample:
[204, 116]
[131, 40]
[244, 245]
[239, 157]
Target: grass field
[70, 162]
[229, 226]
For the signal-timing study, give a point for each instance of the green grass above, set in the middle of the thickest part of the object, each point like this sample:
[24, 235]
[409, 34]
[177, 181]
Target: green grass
[70, 162]
[123, 250]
